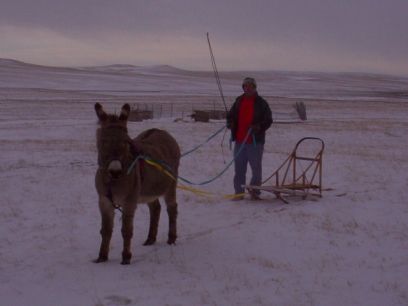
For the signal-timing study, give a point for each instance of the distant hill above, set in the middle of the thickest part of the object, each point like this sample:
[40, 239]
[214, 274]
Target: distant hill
[169, 80]
[120, 68]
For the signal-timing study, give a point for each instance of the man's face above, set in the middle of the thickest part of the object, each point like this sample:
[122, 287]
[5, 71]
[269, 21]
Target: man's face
[249, 89]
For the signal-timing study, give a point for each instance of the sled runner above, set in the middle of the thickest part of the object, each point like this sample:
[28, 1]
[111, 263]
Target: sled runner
[300, 174]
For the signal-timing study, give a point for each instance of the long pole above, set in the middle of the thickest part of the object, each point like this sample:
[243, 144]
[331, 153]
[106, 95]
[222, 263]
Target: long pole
[217, 77]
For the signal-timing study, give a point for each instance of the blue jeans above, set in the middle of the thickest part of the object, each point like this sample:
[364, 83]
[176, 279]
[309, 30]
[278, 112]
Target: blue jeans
[252, 154]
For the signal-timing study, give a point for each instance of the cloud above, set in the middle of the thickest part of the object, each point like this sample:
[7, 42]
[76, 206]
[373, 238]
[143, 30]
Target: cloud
[367, 35]
[44, 46]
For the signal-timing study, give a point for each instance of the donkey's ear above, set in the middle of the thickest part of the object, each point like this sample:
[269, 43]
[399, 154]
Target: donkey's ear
[124, 113]
[100, 112]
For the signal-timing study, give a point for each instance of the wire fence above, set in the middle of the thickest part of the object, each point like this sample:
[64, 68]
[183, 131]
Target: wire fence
[203, 111]
[142, 111]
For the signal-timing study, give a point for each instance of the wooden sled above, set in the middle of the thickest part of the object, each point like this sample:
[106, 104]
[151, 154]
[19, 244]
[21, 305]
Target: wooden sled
[300, 174]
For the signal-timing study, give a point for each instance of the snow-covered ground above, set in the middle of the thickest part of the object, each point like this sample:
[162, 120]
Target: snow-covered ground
[348, 248]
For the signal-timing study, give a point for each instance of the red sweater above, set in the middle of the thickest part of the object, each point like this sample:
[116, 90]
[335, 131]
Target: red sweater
[245, 118]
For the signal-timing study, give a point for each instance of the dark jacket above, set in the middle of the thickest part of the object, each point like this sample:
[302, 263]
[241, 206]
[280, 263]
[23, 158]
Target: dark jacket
[262, 118]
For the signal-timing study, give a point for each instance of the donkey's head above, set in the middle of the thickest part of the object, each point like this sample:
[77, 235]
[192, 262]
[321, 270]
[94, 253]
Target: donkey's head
[113, 142]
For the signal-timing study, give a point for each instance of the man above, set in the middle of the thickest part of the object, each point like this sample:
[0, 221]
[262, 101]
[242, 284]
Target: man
[248, 119]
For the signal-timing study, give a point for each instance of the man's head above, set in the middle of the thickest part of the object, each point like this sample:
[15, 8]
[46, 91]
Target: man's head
[249, 86]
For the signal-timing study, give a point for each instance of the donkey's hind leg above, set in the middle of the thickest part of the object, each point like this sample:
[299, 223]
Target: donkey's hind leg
[170, 198]
[154, 209]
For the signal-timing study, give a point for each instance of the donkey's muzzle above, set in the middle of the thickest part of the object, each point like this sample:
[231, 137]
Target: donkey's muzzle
[115, 169]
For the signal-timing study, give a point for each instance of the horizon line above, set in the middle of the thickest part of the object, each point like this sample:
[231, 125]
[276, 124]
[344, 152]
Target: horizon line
[209, 70]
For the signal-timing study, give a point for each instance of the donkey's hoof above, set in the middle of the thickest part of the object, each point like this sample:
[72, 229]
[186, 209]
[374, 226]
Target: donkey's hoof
[126, 256]
[100, 259]
[171, 240]
[150, 241]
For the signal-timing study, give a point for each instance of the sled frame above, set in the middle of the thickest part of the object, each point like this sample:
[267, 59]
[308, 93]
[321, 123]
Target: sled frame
[291, 179]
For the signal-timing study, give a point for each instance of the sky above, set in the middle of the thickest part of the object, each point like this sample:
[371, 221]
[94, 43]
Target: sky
[301, 35]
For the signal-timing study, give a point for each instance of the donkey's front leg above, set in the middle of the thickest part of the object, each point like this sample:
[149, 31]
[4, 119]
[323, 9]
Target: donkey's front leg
[107, 216]
[127, 232]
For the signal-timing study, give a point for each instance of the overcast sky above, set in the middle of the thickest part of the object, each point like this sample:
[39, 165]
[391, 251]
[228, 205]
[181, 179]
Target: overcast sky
[317, 35]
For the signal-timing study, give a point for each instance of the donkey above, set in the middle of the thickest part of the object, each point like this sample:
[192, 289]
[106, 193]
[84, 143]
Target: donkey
[143, 184]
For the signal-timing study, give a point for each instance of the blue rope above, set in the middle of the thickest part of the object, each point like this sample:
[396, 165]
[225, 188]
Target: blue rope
[200, 145]
[139, 157]
[221, 173]
[225, 169]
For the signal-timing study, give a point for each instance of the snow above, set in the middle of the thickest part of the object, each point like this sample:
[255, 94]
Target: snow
[349, 247]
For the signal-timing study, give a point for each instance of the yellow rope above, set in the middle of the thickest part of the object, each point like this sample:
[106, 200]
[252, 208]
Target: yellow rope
[208, 194]
[196, 191]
